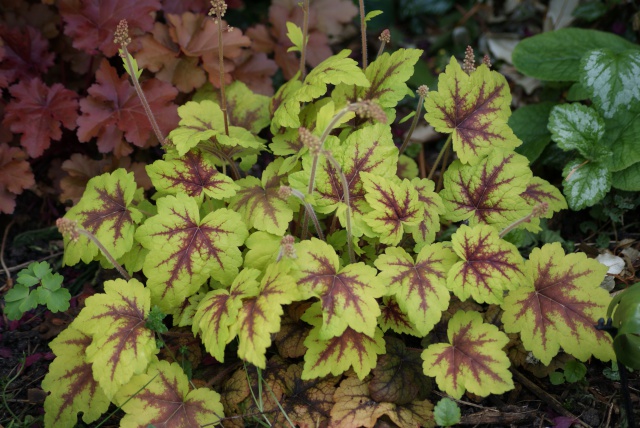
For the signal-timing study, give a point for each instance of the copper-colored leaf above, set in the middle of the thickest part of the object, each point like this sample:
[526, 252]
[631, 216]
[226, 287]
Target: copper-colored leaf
[23, 55]
[15, 176]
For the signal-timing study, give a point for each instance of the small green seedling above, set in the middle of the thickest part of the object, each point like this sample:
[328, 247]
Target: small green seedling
[446, 412]
[22, 297]
[573, 372]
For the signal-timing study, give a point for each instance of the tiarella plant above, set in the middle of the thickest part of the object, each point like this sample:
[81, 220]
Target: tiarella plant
[312, 265]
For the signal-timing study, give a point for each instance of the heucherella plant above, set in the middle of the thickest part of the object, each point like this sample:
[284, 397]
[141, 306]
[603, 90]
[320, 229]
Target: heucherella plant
[309, 268]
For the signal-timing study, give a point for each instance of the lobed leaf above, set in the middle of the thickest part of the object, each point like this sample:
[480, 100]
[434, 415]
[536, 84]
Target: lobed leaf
[347, 295]
[199, 121]
[393, 207]
[489, 265]
[394, 318]
[425, 232]
[419, 287]
[185, 251]
[70, 382]
[489, 192]
[107, 211]
[193, 174]
[16, 176]
[167, 400]
[337, 354]
[558, 305]
[122, 345]
[473, 360]
[474, 109]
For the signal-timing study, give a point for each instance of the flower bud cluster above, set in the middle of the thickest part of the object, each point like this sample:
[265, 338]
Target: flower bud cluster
[369, 109]
[69, 228]
[121, 36]
[309, 140]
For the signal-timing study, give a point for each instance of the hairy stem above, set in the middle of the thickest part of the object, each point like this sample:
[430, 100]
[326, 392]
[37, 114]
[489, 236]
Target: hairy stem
[106, 252]
[414, 122]
[434, 167]
[235, 172]
[305, 32]
[345, 191]
[143, 99]
[223, 98]
[309, 212]
[363, 33]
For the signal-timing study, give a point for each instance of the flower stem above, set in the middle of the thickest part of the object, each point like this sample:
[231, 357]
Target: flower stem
[223, 98]
[414, 122]
[305, 32]
[434, 167]
[363, 33]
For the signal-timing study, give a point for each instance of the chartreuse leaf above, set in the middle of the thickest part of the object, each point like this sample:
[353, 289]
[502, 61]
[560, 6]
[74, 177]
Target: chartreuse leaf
[285, 113]
[558, 305]
[70, 382]
[394, 205]
[472, 361]
[355, 408]
[489, 192]
[167, 400]
[184, 250]
[489, 265]
[419, 286]
[218, 310]
[347, 295]
[199, 121]
[425, 232]
[337, 354]
[474, 108]
[239, 144]
[263, 249]
[106, 211]
[612, 79]
[135, 71]
[578, 127]
[245, 108]
[260, 204]
[193, 174]
[370, 149]
[294, 33]
[122, 345]
[585, 183]
[332, 71]
[260, 315]
[388, 75]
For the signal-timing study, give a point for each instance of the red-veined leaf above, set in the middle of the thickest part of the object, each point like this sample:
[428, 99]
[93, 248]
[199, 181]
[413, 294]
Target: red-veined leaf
[166, 400]
[540, 191]
[122, 344]
[394, 318]
[473, 360]
[185, 250]
[23, 54]
[420, 286]
[489, 265]
[425, 232]
[558, 304]
[474, 108]
[489, 192]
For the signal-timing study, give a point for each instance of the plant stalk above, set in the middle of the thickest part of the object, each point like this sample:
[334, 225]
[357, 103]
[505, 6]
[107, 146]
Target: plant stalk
[363, 33]
[305, 33]
[414, 122]
[434, 167]
[223, 99]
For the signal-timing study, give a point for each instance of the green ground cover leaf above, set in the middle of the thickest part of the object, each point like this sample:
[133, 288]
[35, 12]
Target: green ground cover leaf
[558, 305]
[193, 174]
[474, 109]
[394, 206]
[199, 121]
[529, 123]
[167, 400]
[623, 132]
[472, 361]
[70, 382]
[446, 412]
[489, 192]
[628, 179]
[578, 127]
[556, 55]
[585, 183]
[489, 265]
[612, 79]
[260, 204]
[122, 345]
[106, 210]
[419, 286]
[185, 250]
[347, 294]
[335, 355]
